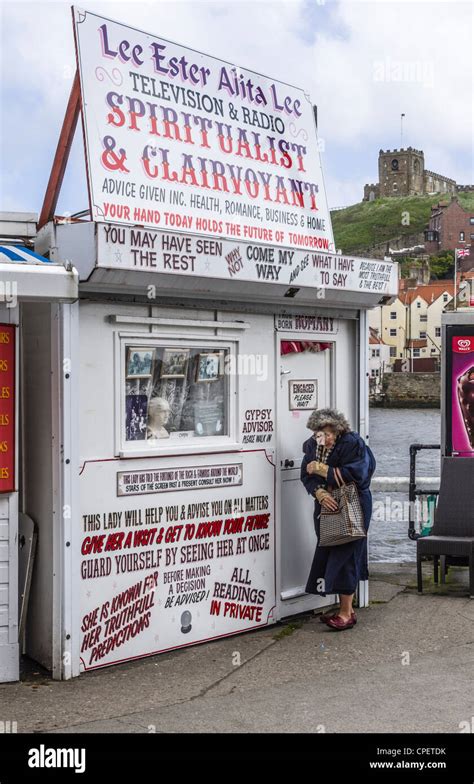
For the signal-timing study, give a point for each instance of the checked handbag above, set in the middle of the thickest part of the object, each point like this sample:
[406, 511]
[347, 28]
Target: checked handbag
[347, 524]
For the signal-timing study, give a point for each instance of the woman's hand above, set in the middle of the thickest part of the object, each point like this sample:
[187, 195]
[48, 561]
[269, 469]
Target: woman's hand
[329, 503]
[315, 467]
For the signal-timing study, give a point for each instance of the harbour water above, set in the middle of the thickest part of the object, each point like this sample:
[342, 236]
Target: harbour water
[391, 432]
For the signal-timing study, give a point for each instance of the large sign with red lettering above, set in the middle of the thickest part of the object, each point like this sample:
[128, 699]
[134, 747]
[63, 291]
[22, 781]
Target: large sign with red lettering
[166, 561]
[179, 140]
[7, 408]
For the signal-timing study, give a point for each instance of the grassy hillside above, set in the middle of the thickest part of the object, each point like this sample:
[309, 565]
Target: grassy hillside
[361, 226]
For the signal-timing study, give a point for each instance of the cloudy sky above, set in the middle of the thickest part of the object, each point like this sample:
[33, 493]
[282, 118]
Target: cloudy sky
[363, 63]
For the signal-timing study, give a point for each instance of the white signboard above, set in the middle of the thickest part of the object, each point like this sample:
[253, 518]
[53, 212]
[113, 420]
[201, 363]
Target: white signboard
[316, 322]
[183, 478]
[180, 140]
[172, 569]
[303, 394]
[120, 247]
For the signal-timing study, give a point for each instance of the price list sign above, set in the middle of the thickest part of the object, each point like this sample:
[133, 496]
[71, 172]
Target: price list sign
[7, 408]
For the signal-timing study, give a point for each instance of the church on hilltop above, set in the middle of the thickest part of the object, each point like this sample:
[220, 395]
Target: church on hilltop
[402, 173]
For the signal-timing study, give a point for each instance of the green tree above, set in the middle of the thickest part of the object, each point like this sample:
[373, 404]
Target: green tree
[442, 264]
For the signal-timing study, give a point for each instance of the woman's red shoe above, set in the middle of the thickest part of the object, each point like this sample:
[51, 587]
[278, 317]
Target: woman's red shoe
[328, 616]
[339, 625]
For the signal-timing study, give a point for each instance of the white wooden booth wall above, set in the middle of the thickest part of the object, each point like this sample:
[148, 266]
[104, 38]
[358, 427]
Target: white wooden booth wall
[90, 336]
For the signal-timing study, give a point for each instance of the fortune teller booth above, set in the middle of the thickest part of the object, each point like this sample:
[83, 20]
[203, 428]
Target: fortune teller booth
[166, 410]
[166, 407]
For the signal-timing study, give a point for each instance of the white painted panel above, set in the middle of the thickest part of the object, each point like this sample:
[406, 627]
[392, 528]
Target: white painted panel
[4, 508]
[4, 551]
[346, 380]
[3, 616]
[4, 594]
[9, 663]
[3, 531]
[3, 573]
[4, 635]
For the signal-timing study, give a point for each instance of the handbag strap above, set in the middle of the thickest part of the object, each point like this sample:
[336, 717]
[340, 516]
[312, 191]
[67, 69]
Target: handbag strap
[338, 476]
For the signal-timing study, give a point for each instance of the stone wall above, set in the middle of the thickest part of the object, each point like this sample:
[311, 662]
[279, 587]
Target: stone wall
[411, 390]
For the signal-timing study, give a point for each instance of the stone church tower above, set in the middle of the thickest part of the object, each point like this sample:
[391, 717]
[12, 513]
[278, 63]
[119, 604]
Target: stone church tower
[401, 172]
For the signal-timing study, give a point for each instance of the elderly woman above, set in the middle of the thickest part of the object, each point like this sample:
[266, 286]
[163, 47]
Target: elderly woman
[337, 569]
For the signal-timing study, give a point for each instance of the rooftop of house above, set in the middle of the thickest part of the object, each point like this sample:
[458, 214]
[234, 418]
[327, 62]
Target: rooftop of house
[430, 292]
[374, 338]
[417, 343]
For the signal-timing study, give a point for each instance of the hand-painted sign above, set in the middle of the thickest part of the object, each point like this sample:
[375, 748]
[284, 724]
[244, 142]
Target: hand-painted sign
[183, 478]
[7, 408]
[183, 141]
[303, 394]
[172, 569]
[120, 247]
[315, 322]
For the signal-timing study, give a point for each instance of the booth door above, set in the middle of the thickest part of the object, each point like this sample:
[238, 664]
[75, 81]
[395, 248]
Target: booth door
[305, 384]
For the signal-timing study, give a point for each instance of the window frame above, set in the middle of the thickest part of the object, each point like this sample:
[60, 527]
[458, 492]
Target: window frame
[198, 444]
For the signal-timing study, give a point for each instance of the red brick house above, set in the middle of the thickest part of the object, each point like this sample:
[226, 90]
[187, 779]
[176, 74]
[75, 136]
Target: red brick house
[450, 227]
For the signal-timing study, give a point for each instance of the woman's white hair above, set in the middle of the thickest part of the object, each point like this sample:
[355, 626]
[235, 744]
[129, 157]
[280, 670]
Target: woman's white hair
[328, 417]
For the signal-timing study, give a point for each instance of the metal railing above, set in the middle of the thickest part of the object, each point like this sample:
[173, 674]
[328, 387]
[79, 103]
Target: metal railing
[413, 491]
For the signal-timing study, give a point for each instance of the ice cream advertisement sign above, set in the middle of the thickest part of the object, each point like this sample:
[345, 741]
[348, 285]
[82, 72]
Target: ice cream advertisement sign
[176, 139]
[462, 390]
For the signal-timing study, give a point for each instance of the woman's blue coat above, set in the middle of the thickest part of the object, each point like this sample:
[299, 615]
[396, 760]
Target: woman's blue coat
[338, 569]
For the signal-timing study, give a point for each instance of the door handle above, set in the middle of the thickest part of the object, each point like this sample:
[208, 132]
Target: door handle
[289, 463]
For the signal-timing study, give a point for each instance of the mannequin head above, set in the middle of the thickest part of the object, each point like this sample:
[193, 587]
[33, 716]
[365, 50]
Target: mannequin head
[158, 415]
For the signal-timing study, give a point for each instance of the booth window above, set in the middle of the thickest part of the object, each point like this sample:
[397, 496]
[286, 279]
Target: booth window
[174, 393]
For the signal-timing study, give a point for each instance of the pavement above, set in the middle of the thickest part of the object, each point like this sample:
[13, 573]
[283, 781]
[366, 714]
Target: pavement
[407, 666]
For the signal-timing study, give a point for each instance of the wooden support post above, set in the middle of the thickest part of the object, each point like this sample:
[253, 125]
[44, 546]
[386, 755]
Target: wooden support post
[62, 154]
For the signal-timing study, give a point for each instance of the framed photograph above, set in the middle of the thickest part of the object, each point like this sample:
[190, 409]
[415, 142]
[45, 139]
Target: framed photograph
[139, 362]
[136, 413]
[208, 366]
[174, 363]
